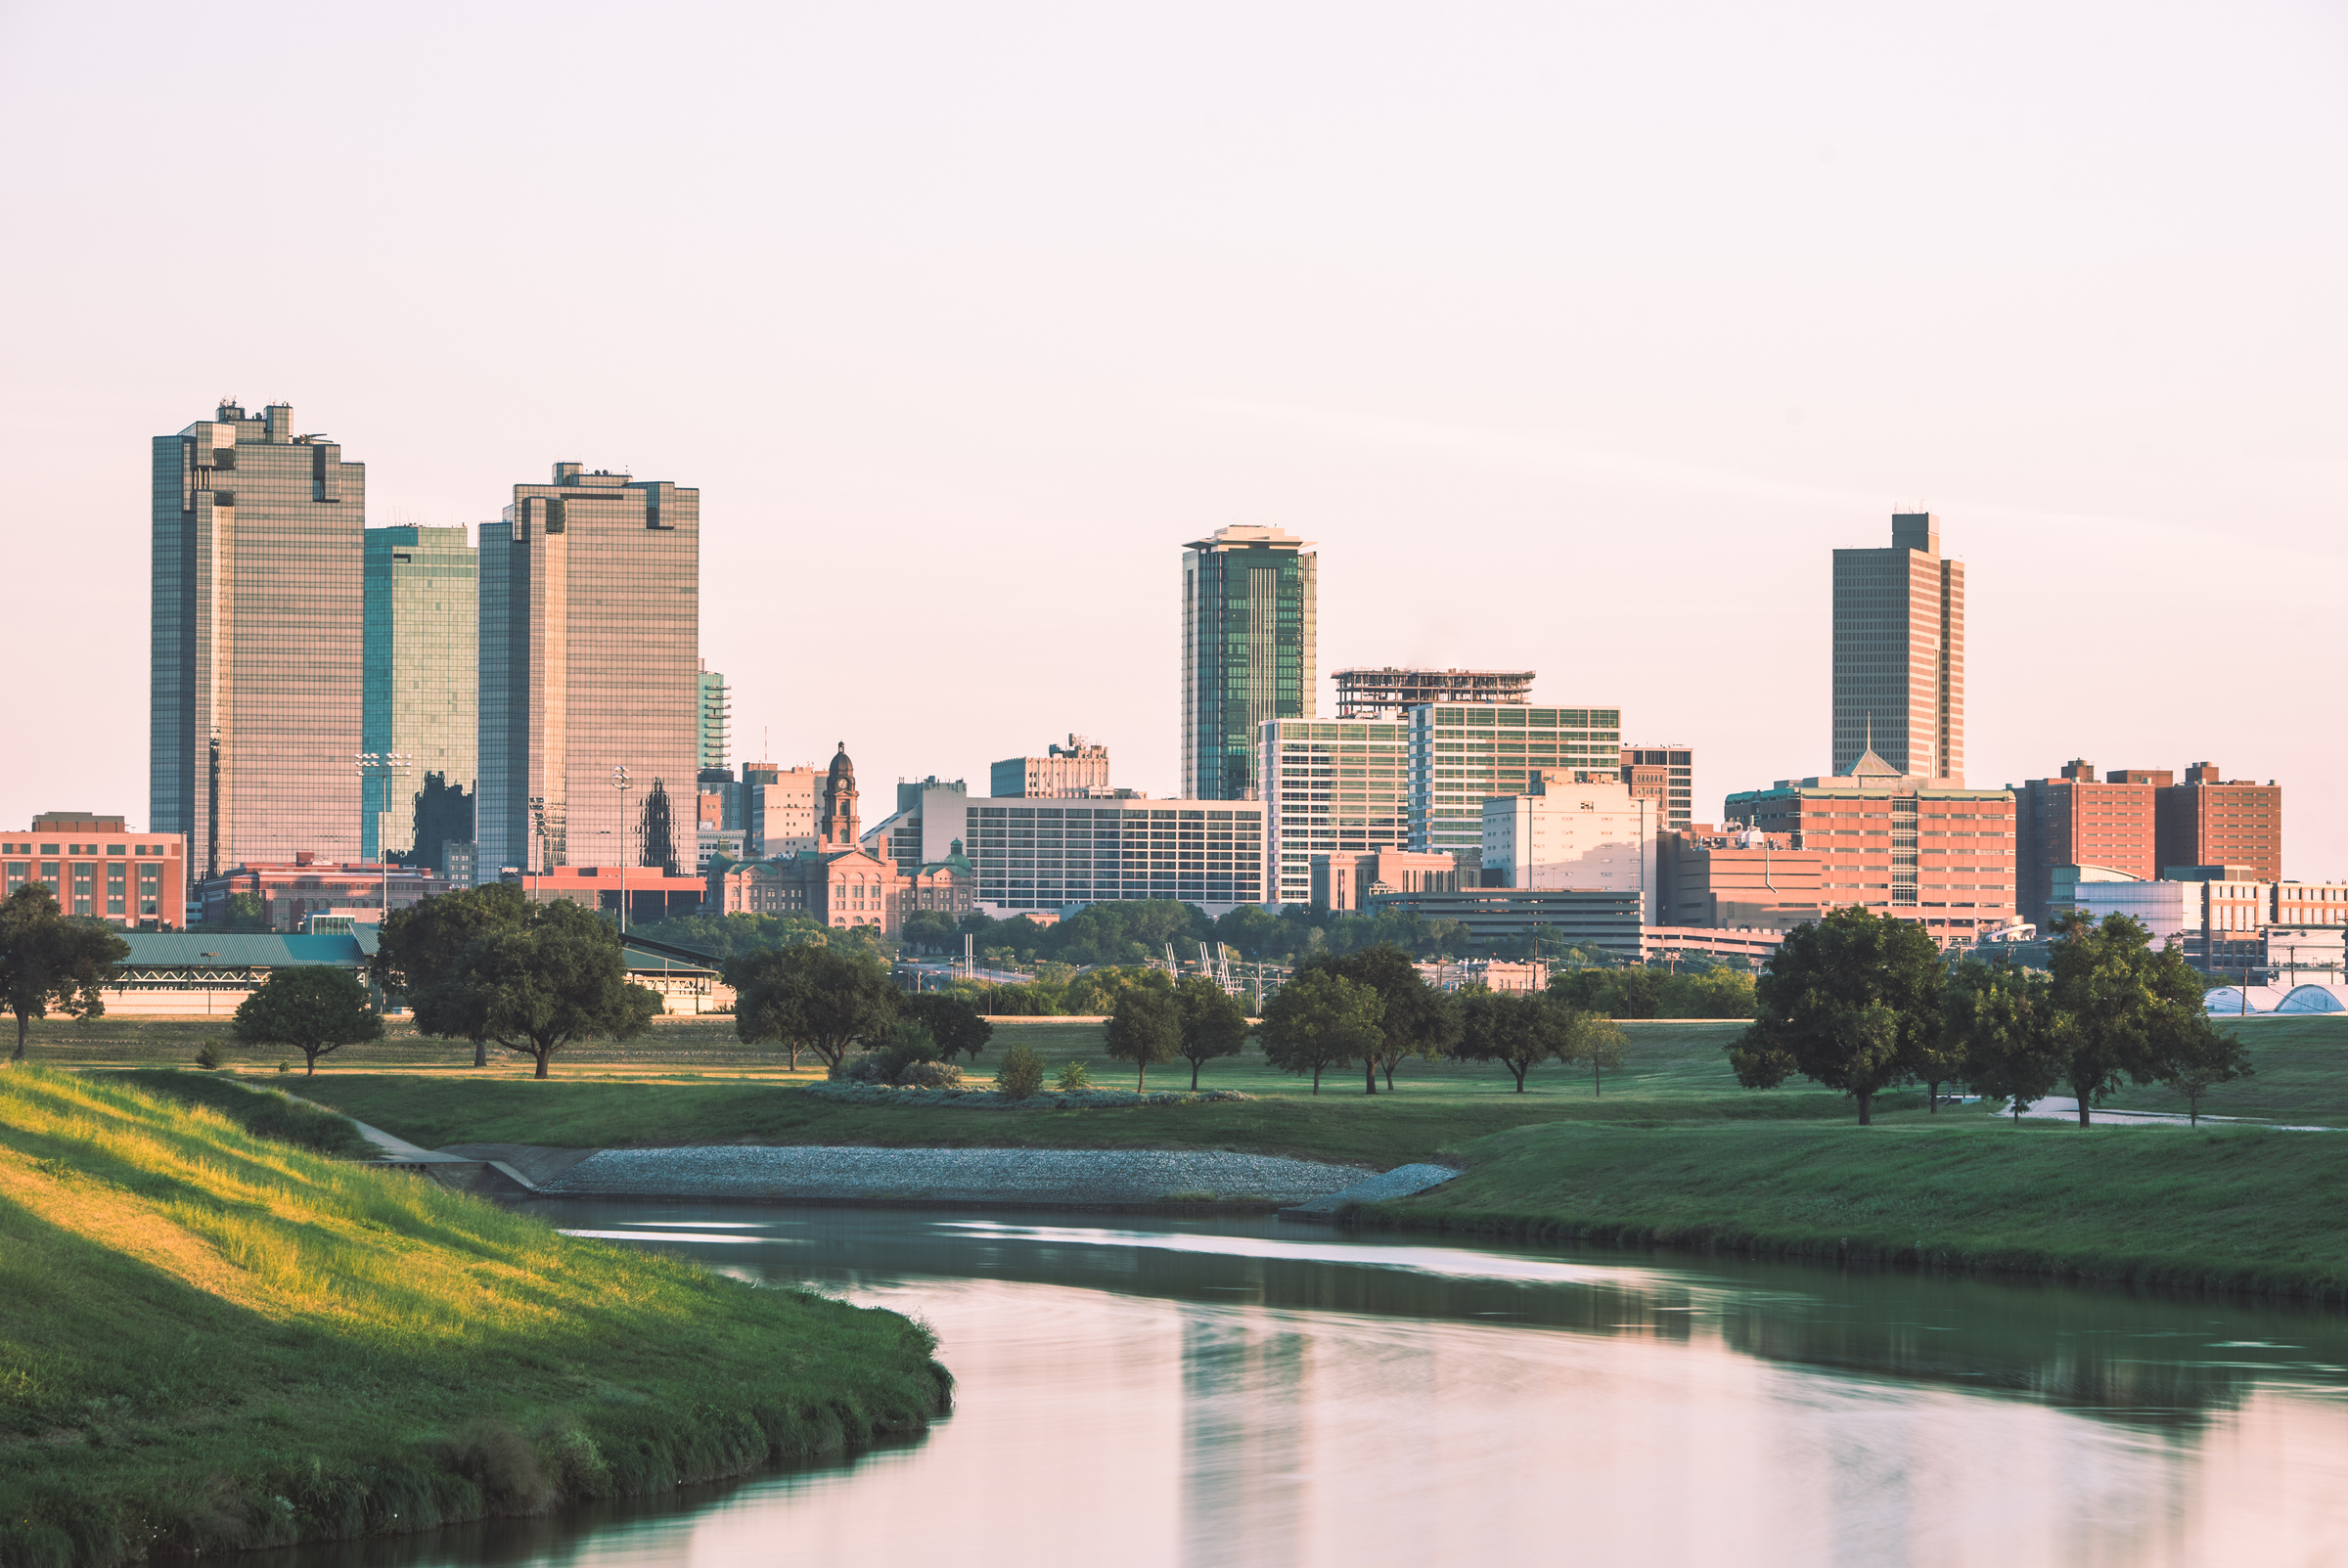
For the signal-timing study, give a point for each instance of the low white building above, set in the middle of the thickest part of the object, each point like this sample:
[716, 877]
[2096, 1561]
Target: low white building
[1575, 831]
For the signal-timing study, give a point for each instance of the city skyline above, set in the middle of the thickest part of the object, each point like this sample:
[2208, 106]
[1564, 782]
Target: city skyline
[1482, 339]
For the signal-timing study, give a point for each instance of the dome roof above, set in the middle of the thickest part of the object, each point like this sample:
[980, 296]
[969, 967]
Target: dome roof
[841, 767]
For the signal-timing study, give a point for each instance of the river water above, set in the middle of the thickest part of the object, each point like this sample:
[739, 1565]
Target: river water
[1137, 1393]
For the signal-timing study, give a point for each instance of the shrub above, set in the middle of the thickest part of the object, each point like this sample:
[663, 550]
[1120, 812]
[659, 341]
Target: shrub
[1020, 1074]
[209, 1057]
[1074, 1078]
[929, 1075]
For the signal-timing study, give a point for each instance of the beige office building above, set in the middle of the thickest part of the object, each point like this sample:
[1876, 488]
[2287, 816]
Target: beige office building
[1899, 655]
[1564, 833]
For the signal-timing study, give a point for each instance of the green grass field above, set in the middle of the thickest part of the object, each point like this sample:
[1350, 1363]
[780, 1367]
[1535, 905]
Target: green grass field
[212, 1340]
[2236, 1208]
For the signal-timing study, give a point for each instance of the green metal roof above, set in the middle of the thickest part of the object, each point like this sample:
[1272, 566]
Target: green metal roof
[250, 950]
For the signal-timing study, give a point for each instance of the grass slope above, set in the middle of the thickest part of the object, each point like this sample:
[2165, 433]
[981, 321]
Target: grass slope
[2237, 1208]
[213, 1340]
[1674, 1072]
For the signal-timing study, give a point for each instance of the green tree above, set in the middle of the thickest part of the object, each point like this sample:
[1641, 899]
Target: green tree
[814, 998]
[1020, 1073]
[932, 930]
[47, 961]
[1094, 992]
[1145, 1027]
[316, 1009]
[533, 989]
[1518, 1029]
[2200, 1063]
[247, 912]
[1415, 1020]
[1999, 1021]
[421, 945]
[2123, 1010]
[1848, 1001]
[953, 1018]
[1213, 1022]
[1318, 1020]
[1590, 1038]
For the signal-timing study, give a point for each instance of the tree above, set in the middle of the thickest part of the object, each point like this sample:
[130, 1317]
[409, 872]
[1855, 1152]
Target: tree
[953, 1018]
[1998, 1021]
[1518, 1029]
[1590, 1036]
[812, 997]
[247, 912]
[1415, 1019]
[559, 977]
[2122, 1010]
[316, 1009]
[1145, 1027]
[932, 930]
[47, 961]
[421, 945]
[1848, 1001]
[2203, 1062]
[1318, 1020]
[1213, 1023]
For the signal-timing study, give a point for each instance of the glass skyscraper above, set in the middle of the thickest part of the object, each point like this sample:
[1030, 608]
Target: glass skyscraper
[717, 711]
[589, 637]
[257, 624]
[421, 671]
[1331, 788]
[1899, 653]
[1247, 653]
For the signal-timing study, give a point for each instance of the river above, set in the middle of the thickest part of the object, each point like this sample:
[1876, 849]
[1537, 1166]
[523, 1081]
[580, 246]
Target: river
[1135, 1393]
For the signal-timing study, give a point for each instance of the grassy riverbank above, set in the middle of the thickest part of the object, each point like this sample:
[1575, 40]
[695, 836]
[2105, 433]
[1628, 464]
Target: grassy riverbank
[2235, 1208]
[213, 1340]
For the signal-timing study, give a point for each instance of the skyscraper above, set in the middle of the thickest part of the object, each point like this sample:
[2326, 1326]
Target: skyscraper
[716, 717]
[420, 672]
[1247, 654]
[590, 609]
[1899, 653]
[258, 623]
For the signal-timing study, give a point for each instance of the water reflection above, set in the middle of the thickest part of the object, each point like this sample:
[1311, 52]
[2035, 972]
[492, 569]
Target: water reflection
[1266, 1394]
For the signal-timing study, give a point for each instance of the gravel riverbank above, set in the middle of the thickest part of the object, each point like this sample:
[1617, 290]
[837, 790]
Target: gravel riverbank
[1041, 1177]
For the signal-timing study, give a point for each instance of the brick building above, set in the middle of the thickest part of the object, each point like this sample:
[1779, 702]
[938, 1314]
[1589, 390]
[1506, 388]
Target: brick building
[2208, 821]
[2078, 819]
[291, 891]
[99, 870]
[652, 893]
[841, 883]
[1737, 881]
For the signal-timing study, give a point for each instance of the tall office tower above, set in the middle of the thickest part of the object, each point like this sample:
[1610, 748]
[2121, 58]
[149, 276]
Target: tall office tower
[258, 620]
[590, 611]
[1666, 775]
[1899, 653]
[1462, 756]
[419, 674]
[1248, 635]
[1064, 772]
[2077, 820]
[716, 717]
[2210, 821]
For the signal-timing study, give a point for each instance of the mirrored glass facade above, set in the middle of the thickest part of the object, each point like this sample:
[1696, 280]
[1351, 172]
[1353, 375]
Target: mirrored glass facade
[257, 626]
[420, 673]
[1247, 653]
[589, 659]
[1331, 788]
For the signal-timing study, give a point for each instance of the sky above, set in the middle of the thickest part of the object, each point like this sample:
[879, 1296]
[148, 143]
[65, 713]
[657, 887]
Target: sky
[1575, 335]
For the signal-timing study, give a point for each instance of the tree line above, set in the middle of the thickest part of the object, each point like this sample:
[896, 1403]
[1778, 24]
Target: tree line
[1863, 1004]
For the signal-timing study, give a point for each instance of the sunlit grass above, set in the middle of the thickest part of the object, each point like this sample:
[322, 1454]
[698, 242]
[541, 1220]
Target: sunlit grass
[201, 1322]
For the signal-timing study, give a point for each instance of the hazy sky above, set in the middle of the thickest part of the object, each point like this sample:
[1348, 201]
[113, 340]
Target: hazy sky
[1576, 335]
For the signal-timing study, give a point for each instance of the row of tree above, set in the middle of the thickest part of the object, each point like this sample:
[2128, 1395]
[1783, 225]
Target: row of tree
[1864, 1003]
[827, 1001]
[1137, 931]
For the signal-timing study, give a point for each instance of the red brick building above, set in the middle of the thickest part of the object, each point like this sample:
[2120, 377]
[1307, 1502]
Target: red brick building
[2206, 821]
[99, 870]
[2078, 820]
[291, 891]
[653, 894]
[839, 882]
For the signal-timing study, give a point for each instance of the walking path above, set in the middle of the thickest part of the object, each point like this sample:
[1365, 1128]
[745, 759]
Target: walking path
[2061, 1108]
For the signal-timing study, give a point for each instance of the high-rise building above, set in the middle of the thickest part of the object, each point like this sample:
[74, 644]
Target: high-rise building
[1899, 653]
[1390, 690]
[716, 717]
[1463, 755]
[2211, 821]
[779, 808]
[2077, 820]
[1570, 830]
[1247, 653]
[1063, 773]
[1328, 789]
[1666, 775]
[257, 625]
[420, 673]
[590, 611]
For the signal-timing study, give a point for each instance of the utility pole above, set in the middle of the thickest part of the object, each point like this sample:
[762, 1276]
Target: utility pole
[621, 783]
[384, 766]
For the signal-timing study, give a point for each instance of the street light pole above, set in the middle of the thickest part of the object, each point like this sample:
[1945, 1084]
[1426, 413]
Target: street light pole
[621, 783]
[382, 765]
